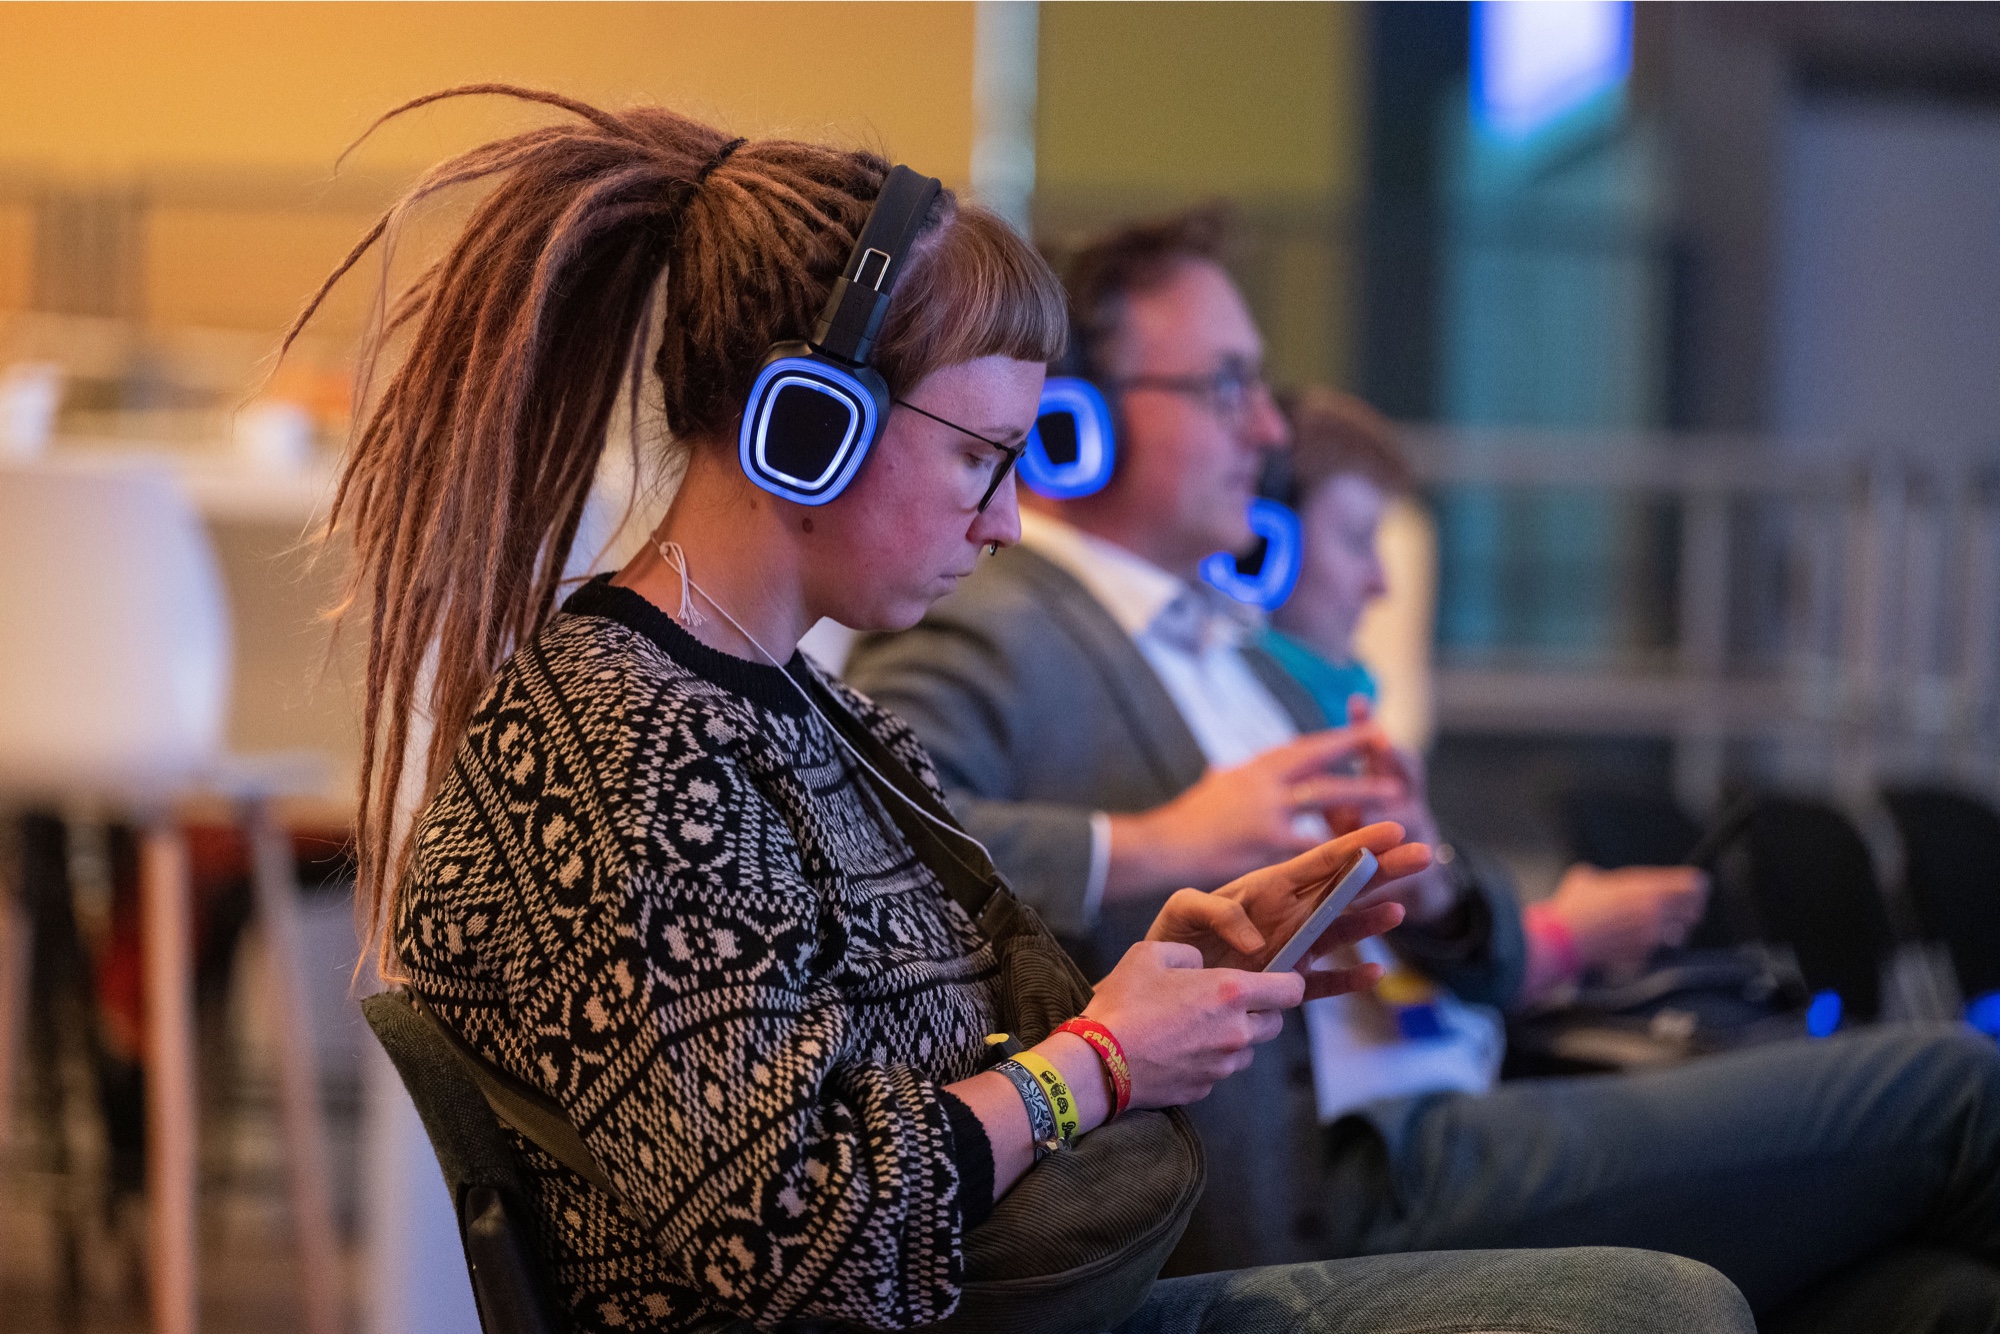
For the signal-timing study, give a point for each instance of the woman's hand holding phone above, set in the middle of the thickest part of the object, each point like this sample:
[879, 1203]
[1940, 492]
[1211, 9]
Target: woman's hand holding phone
[1190, 1004]
[1241, 925]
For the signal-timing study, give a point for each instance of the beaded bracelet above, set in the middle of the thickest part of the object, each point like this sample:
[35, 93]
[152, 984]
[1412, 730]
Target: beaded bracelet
[1041, 1116]
[1061, 1101]
[1111, 1053]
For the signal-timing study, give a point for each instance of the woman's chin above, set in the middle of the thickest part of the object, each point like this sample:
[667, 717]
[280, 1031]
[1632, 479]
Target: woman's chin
[888, 615]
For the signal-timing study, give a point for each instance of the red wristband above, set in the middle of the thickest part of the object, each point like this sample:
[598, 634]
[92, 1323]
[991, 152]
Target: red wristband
[1117, 1071]
[1554, 935]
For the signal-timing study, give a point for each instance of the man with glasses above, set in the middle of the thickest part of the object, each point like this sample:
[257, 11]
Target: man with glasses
[1110, 728]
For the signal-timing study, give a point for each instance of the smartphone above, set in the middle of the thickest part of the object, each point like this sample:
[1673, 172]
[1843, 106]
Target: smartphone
[1335, 893]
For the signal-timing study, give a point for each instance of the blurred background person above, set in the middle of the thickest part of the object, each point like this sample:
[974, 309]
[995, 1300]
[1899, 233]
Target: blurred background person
[1341, 475]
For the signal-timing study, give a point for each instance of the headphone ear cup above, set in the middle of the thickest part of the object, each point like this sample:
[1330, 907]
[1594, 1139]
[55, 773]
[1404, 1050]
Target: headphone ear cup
[1071, 451]
[1266, 574]
[809, 424]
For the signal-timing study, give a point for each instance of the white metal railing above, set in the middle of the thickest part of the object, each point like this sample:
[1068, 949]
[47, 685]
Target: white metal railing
[1870, 576]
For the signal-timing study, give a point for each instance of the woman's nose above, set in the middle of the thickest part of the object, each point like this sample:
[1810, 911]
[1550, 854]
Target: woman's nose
[1000, 521]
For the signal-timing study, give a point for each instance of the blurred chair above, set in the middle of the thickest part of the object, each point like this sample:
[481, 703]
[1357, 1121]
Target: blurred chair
[114, 686]
[1813, 886]
[1951, 866]
[1613, 827]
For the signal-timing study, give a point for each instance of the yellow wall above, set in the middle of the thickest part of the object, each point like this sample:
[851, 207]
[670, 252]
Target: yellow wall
[230, 116]
[105, 87]
[1145, 107]
[1252, 99]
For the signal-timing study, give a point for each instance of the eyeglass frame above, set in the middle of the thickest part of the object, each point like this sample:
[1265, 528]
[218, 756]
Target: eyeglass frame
[1012, 452]
[1207, 389]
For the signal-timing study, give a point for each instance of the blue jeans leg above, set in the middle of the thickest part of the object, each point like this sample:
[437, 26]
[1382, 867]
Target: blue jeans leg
[1780, 1165]
[1586, 1290]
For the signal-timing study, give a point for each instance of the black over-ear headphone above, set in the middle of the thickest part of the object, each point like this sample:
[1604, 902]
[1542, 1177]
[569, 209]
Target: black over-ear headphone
[817, 406]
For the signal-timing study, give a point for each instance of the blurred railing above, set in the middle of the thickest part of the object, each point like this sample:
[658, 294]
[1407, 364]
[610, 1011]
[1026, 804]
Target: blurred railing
[1803, 613]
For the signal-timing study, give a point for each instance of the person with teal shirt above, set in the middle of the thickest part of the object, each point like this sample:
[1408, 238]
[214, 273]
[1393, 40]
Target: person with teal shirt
[1332, 684]
[1345, 473]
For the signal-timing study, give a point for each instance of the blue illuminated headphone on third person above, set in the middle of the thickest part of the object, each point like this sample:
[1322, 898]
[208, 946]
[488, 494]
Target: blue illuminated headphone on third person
[1073, 450]
[817, 407]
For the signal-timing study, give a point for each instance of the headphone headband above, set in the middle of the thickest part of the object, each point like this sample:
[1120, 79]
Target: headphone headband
[854, 309]
[816, 407]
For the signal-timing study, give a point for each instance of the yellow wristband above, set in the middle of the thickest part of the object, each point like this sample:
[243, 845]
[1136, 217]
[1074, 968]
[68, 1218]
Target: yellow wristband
[1060, 1098]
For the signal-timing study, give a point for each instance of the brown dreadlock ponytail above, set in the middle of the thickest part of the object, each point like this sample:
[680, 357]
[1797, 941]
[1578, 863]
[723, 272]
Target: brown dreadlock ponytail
[465, 482]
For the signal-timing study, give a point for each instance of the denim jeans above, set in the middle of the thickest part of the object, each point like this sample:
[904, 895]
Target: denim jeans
[1585, 1290]
[1788, 1167]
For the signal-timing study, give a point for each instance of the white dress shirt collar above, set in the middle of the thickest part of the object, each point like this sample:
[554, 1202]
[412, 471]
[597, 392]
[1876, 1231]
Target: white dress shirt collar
[1142, 598]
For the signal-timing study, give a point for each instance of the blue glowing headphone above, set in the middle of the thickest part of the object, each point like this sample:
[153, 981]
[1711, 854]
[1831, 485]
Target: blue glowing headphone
[817, 407]
[1072, 448]
[1264, 575]
[1071, 453]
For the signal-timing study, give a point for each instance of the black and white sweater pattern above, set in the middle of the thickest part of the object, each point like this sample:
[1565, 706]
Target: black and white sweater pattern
[652, 886]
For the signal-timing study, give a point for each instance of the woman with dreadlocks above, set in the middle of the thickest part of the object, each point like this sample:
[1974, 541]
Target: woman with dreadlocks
[686, 887]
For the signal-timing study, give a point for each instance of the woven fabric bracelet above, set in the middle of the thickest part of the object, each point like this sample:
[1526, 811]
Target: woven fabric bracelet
[1041, 1116]
[1061, 1101]
[1111, 1053]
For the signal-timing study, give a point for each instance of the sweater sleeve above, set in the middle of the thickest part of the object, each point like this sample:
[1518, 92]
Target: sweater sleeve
[972, 1152]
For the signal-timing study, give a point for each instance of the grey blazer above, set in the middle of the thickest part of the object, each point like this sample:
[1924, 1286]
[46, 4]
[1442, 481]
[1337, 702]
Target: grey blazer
[1039, 710]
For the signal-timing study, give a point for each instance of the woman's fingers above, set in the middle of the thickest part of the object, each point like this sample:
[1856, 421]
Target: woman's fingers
[1323, 982]
[1403, 860]
[1265, 1025]
[1357, 924]
[1192, 915]
[1323, 859]
[1260, 991]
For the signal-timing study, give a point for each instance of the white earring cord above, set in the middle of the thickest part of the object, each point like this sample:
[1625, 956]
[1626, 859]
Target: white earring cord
[675, 557]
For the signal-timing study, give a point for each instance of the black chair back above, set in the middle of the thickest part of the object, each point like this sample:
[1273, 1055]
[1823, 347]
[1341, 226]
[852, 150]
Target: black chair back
[480, 1167]
[1951, 865]
[1814, 888]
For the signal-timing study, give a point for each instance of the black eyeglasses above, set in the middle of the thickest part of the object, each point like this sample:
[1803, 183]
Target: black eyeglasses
[1010, 454]
[1229, 393]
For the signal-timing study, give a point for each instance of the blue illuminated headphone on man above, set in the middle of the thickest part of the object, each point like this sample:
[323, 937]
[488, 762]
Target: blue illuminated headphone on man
[1072, 452]
[817, 407]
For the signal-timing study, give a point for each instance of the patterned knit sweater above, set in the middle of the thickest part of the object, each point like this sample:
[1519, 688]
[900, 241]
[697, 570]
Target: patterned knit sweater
[652, 887]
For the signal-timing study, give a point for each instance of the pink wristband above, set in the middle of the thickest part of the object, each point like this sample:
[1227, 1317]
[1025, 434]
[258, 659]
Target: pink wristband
[1550, 934]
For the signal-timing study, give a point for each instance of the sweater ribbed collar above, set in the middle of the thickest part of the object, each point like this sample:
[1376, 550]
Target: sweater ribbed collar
[758, 682]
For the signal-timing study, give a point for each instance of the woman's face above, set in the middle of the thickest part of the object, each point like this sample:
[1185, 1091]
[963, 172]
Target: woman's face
[1341, 573]
[909, 528]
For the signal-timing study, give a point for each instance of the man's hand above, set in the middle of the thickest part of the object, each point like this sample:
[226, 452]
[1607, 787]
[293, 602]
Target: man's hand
[1429, 894]
[1618, 918]
[1240, 925]
[1235, 820]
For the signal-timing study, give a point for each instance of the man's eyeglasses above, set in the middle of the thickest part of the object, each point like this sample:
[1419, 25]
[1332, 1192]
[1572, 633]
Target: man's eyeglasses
[1230, 393]
[1009, 454]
